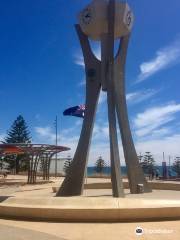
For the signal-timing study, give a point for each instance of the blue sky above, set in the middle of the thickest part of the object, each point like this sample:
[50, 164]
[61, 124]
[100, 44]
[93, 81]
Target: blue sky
[42, 73]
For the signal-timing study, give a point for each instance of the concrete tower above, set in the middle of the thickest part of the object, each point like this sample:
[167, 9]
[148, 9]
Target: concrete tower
[105, 21]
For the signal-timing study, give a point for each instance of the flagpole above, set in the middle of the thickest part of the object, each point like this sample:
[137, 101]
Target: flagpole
[169, 172]
[56, 145]
[85, 189]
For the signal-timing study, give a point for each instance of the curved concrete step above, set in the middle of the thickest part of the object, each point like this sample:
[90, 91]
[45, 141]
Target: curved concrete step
[89, 209]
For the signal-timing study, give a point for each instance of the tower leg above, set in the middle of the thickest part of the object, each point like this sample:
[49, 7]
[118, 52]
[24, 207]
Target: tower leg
[116, 177]
[74, 182]
[135, 172]
[107, 51]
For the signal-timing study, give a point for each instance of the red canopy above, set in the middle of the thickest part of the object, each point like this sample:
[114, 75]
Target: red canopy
[10, 149]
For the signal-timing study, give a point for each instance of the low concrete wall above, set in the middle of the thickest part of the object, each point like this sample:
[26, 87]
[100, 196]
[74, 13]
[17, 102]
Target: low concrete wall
[165, 185]
[154, 185]
[90, 209]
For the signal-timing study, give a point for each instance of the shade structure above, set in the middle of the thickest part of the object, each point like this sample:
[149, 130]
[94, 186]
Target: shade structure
[10, 149]
[34, 154]
[17, 148]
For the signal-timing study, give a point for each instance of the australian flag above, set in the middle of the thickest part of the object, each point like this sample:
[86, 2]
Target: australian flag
[77, 111]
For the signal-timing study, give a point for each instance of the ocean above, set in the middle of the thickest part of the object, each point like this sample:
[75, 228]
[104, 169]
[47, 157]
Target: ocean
[107, 171]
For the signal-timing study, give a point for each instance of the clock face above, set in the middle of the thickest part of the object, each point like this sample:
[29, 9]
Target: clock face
[129, 18]
[86, 16]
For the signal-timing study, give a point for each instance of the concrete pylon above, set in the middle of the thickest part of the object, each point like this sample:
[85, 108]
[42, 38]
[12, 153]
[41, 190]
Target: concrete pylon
[107, 74]
[134, 170]
[74, 181]
[116, 177]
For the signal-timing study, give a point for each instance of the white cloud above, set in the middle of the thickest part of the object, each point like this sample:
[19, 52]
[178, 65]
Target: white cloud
[97, 52]
[67, 137]
[153, 118]
[161, 132]
[148, 123]
[2, 137]
[140, 96]
[79, 59]
[100, 143]
[101, 132]
[46, 134]
[164, 58]
[169, 145]
[131, 96]
[102, 97]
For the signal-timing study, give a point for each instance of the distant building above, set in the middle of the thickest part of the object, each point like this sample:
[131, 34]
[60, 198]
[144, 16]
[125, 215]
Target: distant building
[60, 165]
